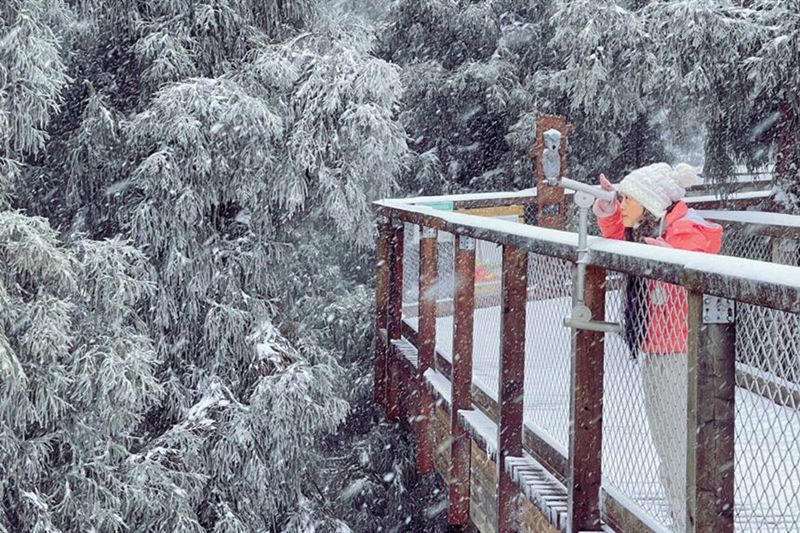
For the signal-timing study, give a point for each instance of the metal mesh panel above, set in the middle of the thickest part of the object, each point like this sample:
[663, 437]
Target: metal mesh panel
[767, 469]
[548, 347]
[486, 320]
[445, 294]
[740, 243]
[445, 264]
[644, 419]
[444, 288]
[410, 269]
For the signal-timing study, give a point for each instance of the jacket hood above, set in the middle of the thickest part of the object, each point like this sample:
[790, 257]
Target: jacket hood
[683, 223]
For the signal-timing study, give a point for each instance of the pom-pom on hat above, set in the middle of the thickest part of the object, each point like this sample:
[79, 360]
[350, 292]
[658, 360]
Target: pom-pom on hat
[658, 186]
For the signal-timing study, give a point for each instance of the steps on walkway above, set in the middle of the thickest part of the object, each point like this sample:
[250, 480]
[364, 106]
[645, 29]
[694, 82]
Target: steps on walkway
[540, 487]
[547, 493]
[407, 350]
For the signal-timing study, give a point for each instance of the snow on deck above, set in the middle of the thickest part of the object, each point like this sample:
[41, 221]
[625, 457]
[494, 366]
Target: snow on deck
[767, 457]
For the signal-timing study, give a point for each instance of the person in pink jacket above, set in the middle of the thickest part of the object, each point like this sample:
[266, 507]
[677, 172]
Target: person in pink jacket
[650, 210]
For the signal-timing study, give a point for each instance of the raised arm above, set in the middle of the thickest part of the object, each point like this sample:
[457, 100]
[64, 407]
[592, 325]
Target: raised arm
[609, 216]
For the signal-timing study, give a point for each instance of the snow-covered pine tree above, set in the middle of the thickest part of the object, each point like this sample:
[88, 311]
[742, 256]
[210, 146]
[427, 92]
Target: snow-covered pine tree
[32, 75]
[226, 169]
[77, 376]
[77, 369]
[606, 78]
[701, 48]
[215, 199]
[774, 73]
[466, 68]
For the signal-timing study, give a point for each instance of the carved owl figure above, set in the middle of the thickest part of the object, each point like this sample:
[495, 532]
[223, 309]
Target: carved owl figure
[551, 158]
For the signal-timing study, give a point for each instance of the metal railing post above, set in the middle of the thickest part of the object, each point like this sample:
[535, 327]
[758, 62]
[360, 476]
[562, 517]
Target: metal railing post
[511, 386]
[461, 379]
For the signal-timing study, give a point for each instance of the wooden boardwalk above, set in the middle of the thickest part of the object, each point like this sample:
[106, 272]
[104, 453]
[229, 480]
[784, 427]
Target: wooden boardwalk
[766, 487]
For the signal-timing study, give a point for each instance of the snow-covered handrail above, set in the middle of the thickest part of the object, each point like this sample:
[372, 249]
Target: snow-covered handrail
[754, 282]
[472, 197]
[774, 224]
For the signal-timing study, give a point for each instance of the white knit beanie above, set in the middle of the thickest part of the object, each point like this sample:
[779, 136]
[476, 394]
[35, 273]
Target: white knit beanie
[658, 186]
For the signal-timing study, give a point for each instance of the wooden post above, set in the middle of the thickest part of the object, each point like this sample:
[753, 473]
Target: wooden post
[395, 319]
[550, 205]
[711, 414]
[511, 384]
[383, 258]
[586, 413]
[427, 344]
[461, 379]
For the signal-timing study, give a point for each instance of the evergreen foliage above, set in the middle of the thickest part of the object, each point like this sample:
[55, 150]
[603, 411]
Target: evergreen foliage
[185, 225]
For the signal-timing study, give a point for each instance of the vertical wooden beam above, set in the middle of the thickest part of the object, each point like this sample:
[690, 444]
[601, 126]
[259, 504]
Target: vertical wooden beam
[461, 379]
[550, 206]
[383, 258]
[428, 266]
[511, 384]
[586, 412]
[711, 414]
[395, 325]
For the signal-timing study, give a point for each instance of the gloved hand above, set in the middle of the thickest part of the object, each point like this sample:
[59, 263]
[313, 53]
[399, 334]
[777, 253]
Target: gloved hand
[658, 242]
[603, 208]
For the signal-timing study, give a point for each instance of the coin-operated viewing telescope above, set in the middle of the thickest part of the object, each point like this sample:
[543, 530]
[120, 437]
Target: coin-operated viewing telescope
[584, 198]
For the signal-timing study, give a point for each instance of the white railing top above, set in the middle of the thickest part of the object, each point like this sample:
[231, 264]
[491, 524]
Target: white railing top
[757, 218]
[756, 282]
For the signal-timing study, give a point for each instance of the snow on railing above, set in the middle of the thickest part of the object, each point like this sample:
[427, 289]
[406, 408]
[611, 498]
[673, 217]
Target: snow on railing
[498, 335]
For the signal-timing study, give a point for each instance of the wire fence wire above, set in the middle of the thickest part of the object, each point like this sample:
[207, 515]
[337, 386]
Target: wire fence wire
[644, 427]
[486, 318]
[444, 269]
[548, 348]
[767, 431]
[644, 410]
[443, 289]
[411, 241]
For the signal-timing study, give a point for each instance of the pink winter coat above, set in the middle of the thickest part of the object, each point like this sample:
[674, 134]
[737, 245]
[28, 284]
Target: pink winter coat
[667, 306]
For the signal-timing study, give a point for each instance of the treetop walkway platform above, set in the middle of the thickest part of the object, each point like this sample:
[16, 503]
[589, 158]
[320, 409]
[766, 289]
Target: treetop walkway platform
[538, 427]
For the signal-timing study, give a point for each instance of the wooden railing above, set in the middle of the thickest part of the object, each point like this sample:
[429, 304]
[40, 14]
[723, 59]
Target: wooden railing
[405, 358]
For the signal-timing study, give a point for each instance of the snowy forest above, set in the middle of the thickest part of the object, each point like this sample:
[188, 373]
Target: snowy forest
[187, 242]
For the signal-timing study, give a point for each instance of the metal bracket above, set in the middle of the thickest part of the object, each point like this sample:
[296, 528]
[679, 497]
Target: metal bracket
[718, 310]
[428, 233]
[466, 243]
[583, 199]
[582, 319]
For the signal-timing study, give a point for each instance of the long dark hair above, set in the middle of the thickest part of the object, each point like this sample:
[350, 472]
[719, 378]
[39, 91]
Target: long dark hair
[636, 295]
[649, 226]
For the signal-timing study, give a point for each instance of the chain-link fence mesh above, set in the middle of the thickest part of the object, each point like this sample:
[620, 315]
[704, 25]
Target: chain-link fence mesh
[444, 281]
[486, 318]
[644, 411]
[547, 347]
[767, 432]
[644, 449]
[411, 240]
[767, 468]
[443, 289]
